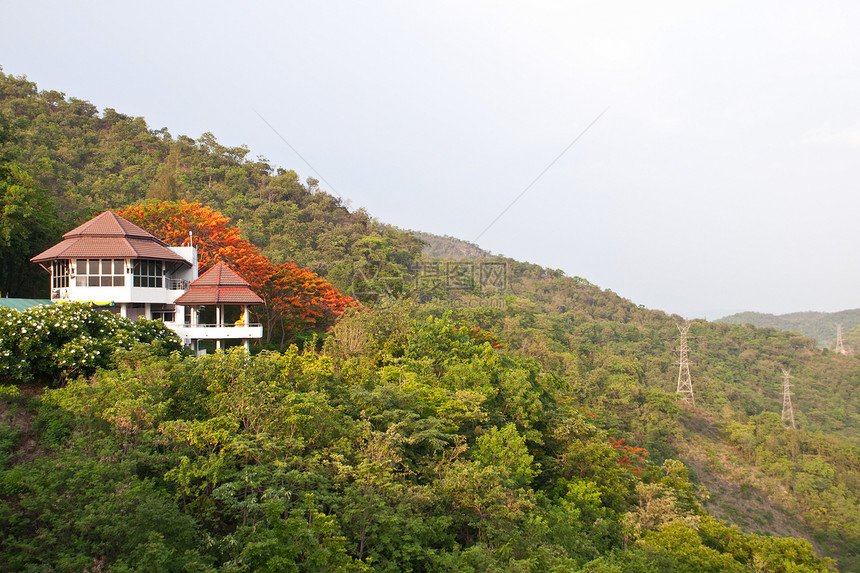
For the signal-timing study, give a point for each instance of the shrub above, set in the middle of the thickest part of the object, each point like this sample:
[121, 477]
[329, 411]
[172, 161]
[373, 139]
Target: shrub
[51, 344]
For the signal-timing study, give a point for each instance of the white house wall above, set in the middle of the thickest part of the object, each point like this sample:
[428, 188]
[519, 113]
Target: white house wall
[189, 254]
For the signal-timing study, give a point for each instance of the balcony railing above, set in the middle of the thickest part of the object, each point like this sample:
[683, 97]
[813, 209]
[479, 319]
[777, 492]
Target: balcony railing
[176, 284]
[217, 331]
[224, 325]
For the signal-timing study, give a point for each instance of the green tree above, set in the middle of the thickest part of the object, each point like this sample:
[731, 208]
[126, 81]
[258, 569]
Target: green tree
[29, 224]
[166, 187]
[54, 343]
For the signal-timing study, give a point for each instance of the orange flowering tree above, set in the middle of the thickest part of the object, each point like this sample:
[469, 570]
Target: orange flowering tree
[216, 240]
[629, 455]
[295, 299]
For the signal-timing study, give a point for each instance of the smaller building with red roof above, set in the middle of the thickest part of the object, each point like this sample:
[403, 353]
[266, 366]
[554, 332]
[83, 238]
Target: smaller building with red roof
[220, 289]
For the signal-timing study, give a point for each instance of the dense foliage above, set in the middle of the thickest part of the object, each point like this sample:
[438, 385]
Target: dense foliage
[29, 222]
[621, 361]
[50, 344]
[424, 449]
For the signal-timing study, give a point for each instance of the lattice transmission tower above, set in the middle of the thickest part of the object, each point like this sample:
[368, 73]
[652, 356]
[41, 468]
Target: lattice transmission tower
[685, 382]
[787, 409]
[840, 347]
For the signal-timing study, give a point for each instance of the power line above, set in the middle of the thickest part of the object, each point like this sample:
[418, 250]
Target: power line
[329, 185]
[547, 168]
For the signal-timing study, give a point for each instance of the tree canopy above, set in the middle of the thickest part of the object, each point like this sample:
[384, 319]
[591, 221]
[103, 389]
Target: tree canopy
[426, 450]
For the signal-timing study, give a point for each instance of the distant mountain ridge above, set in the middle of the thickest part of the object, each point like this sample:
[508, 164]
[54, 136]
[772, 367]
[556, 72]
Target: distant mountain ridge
[818, 325]
[445, 247]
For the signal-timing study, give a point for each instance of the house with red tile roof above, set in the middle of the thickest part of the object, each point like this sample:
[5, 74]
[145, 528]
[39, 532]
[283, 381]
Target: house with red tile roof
[110, 261]
[221, 289]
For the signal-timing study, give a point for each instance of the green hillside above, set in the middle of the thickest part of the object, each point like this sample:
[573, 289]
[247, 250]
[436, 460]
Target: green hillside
[485, 414]
[818, 325]
[88, 161]
[620, 359]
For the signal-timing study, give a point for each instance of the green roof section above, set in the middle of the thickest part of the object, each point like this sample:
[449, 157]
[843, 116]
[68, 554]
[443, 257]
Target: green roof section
[23, 303]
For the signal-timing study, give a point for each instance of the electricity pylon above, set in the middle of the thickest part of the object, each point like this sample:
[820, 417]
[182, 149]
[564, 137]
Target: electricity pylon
[840, 348]
[787, 410]
[685, 382]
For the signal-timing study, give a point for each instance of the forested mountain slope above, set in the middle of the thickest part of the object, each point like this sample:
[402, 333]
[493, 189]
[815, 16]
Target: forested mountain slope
[90, 161]
[580, 365]
[402, 445]
[818, 325]
[620, 359]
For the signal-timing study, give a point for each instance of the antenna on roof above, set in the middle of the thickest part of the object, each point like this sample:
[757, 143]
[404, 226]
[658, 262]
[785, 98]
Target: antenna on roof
[190, 238]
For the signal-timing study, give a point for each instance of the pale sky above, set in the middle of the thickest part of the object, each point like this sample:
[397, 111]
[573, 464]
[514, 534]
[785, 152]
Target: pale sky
[723, 176]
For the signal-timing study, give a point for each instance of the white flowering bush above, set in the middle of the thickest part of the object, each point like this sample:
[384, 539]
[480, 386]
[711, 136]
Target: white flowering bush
[50, 344]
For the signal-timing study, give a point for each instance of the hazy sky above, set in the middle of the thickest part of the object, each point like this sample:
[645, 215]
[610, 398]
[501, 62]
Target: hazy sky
[722, 177]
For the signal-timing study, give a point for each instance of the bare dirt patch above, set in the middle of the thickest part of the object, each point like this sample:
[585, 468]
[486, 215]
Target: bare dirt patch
[18, 413]
[737, 494]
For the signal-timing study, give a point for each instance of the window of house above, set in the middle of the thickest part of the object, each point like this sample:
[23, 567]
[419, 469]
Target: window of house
[59, 274]
[148, 274]
[100, 272]
[163, 312]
